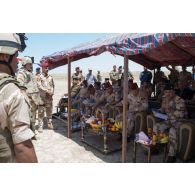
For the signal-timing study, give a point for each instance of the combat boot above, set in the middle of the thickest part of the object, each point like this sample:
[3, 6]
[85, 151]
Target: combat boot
[171, 159]
[35, 137]
[40, 124]
[36, 132]
[40, 129]
[50, 125]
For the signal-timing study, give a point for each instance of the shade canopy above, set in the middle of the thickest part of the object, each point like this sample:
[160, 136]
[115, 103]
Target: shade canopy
[148, 49]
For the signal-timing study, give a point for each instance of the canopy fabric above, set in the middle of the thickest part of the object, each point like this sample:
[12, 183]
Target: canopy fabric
[150, 50]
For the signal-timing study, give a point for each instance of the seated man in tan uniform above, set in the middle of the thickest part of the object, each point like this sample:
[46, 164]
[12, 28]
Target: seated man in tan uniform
[82, 95]
[138, 102]
[175, 108]
[106, 100]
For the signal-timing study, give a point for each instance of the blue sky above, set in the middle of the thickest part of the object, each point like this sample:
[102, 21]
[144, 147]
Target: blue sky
[42, 44]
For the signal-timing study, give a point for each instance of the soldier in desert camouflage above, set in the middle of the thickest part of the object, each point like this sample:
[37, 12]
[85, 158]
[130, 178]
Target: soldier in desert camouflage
[15, 132]
[81, 95]
[158, 77]
[114, 75]
[175, 108]
[106, 100]
[28, 80]
[78, 74]
[138, 102]
[75, 88]
[98, 91]
[173, 76]
[185, 77]
[93, 97]
[46, 87]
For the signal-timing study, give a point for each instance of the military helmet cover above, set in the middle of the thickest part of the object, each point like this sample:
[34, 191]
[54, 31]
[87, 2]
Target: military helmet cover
[26, 60]
[9, 43]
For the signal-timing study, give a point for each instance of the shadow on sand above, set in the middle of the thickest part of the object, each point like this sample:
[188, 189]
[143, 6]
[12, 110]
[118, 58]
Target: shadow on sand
[115, 157]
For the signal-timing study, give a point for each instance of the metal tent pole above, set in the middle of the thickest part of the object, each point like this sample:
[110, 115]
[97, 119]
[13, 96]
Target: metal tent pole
[125, 94]
[69, 99]
[154, 84]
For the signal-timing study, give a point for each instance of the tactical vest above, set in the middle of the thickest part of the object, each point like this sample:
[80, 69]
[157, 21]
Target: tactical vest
[30, 82]
[6, 143]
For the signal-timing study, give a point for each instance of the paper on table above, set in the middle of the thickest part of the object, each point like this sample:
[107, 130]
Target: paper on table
[160, 115]
[89, 120]
[143, 142]
[142, 136]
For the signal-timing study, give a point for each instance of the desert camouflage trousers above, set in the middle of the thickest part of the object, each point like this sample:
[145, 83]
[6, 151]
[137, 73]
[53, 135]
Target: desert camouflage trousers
[172, 127]
[47, 108]
[35, 101]
[34, 108]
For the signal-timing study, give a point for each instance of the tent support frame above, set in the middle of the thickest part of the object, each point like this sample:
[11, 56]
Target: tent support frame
[154, 84]
[69, 99]
[125, 105]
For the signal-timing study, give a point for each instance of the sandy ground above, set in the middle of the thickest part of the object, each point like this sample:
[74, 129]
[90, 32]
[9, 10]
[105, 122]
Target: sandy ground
[53, 146]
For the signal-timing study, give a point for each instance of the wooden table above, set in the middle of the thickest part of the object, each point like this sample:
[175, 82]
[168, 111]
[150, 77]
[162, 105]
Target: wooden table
[102, 140]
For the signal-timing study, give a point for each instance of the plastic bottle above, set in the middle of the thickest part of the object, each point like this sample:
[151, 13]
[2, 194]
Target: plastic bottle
[154, 138]
[149, 133]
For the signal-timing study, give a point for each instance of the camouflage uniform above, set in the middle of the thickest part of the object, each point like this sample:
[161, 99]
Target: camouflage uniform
[137, 104]
[38, 77]
[158, 77]
[110, 99]
[173, 77]
[28, 80]
[113, 76]
[119, 75]
[176, 111]
[83, 93]
[82, 78]
[46, 86]
[106, 102]
[79, 76]
[117, 97]
[186, 78]
[147, 89]
[99, 78]
[14, 119]
[130, 76]
[92, 100]
[80, 97]
[117, 93]
[75, 90]
[97, 95]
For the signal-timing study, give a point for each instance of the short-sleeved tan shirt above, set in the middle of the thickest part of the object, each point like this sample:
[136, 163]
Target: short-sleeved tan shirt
[15, 112]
